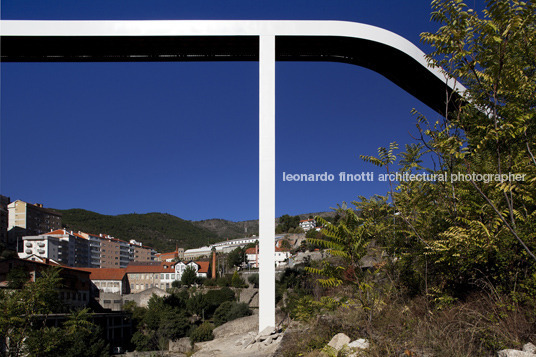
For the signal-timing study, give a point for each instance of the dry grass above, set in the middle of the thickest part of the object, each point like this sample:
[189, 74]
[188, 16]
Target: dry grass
[480, 326]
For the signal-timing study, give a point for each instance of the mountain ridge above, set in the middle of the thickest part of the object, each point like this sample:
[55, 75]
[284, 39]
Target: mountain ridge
[162, 231]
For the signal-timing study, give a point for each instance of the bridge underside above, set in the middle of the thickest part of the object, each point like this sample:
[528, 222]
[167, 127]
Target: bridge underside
[394, 64]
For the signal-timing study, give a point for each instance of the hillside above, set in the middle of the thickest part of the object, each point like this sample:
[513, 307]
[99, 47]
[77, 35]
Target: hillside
[158, 230]
[228, 229]
[162, 231]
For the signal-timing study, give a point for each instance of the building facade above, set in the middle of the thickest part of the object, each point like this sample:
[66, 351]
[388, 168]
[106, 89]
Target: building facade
[30, 219]
[308, 224]
[161, 274]
[75, 284]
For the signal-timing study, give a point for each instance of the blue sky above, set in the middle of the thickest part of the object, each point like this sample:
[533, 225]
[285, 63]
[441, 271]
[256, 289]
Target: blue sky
[182, 138]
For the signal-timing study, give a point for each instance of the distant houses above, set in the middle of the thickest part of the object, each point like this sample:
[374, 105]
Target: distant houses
[308, 224]
[280, 257]
[85, 250]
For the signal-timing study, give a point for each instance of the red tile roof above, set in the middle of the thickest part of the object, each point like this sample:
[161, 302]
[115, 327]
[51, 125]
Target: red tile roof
[277, 249]
[58, 231]
[203, 267]
[105, 273]
[150, 268]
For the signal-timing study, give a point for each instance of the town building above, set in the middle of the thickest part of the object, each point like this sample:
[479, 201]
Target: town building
[308, 224]
[84, 249]
[140, 253]
[197, 253]
[280, 257]
[75, 286]
[160, 274]
[108, 280]
[176, 255]
[68, 248]
[27, 219]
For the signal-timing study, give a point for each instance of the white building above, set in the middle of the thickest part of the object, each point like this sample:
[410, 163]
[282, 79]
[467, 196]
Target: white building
[307, 224]
[67, 248]
[280, 257]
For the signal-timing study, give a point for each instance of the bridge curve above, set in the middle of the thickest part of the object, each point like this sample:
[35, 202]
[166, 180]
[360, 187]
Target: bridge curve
[205, 40]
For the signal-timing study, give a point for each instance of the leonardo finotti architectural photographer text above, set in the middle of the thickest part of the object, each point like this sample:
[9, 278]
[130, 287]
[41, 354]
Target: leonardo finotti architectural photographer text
[402, 177]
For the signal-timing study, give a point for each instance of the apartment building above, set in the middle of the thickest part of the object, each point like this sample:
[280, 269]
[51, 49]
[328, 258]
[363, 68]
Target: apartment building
[141, 253]
[68, 248]
[26, 219]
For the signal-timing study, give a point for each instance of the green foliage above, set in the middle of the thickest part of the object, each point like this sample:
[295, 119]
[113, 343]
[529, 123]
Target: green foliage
[229, 311]
[18, 321]
[202, 333]
[237, 281]
[254, 280]
[77, 337]
[347, 240]
[17, 277]
[449, 236]
[163, 320]
[189, 276]
[206, 304]
[286, 223]
[158, 230]
[236, 257]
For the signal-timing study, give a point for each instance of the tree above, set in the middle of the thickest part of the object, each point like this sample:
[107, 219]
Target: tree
[287, 222]
[452, 233]
[189, 276]
[229, 311]
[202, 333]
[164, 320]
[19, 307]
[236, 257]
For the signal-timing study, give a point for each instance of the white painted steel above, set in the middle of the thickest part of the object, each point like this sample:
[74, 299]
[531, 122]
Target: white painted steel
[217, 28]
[266, 181]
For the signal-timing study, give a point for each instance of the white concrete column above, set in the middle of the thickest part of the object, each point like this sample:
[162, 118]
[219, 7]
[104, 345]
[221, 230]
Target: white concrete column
[266, 181]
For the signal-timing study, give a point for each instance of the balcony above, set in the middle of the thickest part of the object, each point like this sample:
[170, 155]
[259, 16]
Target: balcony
[28, 244]
[28, 251]
[41, 251]
[41, 244]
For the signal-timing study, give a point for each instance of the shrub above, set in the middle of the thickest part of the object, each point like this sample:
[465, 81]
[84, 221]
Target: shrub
[237, 281]
[202, 333]
[229, 311]
[254, 280]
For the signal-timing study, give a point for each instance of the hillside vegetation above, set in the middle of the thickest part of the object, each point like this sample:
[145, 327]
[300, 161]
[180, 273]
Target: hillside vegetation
[161, 231]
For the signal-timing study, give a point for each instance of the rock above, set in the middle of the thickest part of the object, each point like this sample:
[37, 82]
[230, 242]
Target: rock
[267, 331]
[530, 348]
[514, 353]
[248, 342]
[360, 343]
[338, 341]
[268, 341]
